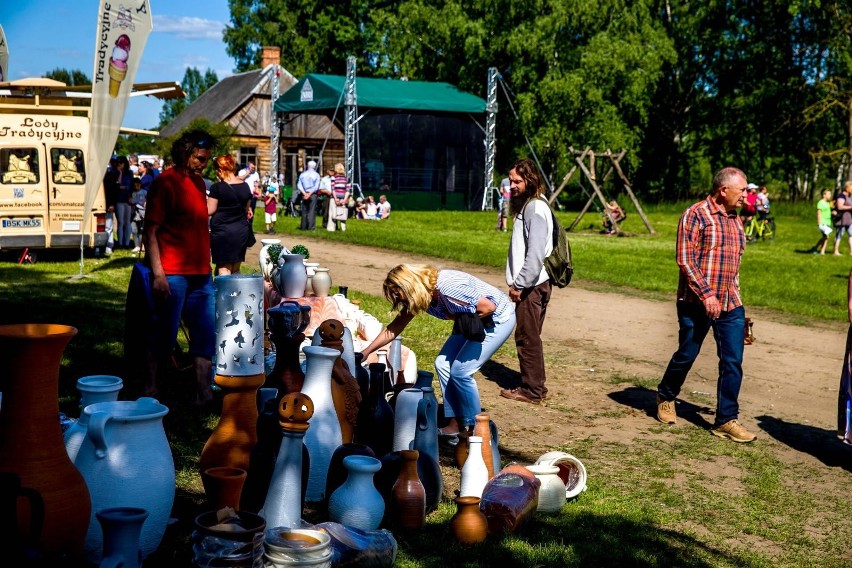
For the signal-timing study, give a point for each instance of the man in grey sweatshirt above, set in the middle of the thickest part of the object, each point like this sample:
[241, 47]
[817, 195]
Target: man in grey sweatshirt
[529, 284]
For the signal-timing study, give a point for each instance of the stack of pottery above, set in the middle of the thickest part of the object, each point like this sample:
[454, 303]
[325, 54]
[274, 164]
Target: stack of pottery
[572, 472]
[297, 547]
[239, 369]
[228, 538]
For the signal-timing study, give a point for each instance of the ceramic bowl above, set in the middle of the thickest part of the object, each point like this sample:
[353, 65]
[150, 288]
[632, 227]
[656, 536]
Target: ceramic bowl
[571, 471]
[297, 544]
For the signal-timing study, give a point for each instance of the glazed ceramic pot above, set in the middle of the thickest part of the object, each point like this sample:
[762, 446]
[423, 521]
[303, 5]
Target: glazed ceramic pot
[337, 472]
[469, 525]
[297, 547]
[234, 542]
[345, 391]
[122, 527]
[127, 462]
[223, 486]
[324, 435]
[428, 471]
[408, 496]
[405, 418]
[357, 503]
[482, 428]
[474, 474]
[426, 432]
[31, 445]
[284, 500]
[572, 472]
[240, 325]
[321, 282]
[292, 276]
[98, 388]
[395, 356]
[266, 265]
[551, 494]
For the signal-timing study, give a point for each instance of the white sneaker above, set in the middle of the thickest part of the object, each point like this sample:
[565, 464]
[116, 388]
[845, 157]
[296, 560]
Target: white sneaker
[135, 249]
[107, 251]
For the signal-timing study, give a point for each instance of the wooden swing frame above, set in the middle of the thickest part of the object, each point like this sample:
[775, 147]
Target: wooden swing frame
[589, 172]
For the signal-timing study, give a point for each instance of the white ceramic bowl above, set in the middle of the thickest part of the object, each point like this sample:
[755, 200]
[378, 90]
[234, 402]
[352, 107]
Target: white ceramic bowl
[571, 470]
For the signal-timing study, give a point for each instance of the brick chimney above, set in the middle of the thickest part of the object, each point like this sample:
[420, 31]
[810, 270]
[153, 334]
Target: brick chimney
[270, 55]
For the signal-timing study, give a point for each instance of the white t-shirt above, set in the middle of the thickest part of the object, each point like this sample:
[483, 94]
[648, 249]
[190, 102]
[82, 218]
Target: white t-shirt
[383, 210]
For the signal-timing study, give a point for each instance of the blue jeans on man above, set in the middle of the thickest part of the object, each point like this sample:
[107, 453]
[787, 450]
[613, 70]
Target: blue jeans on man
[729, 331]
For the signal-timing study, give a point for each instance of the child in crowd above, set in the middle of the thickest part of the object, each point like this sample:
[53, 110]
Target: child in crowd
[138, 199]
[823, 221]
[270, 208]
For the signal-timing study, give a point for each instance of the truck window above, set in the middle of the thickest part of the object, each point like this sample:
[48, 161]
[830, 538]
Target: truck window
[19, 165]
[68, 166]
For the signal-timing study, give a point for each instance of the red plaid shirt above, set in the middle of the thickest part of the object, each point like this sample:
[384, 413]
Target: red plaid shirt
[710, 243]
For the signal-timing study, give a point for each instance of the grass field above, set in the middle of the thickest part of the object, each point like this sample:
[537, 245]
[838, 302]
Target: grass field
[646, 506]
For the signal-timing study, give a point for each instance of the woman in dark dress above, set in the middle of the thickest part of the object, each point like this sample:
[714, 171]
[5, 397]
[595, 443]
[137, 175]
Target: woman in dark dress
[229, 205]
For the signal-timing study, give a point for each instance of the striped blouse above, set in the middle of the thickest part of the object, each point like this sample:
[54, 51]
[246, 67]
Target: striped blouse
[339, 186]
[710, 244]
[459, 292]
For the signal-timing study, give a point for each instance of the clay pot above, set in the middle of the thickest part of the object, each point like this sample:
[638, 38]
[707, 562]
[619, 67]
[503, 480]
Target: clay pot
[223, 486]
[31, 444]
[292, 276]
[482, 428]
[324, 435]
[231, 442]
[336, 471]
[469, 525]
[321, 282]
[462, 449]
[408, 496]
[572, 472]
[237, 543]
[98, 388]
[357, 503]
[122, 527]
[551, 494]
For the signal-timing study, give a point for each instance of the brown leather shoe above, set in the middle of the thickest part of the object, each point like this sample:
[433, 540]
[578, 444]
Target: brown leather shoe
[517, 394]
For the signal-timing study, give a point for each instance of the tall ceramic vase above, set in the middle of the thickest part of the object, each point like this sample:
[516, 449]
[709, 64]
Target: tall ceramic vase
[127, 462]
[426, 434]
[292, 276]
[405, 418]
[283, 505]
[321, 282]
[375, 417]
[31, 444]
[324, 435]
[239, 370]
[408, 496]
[482, 428]
[122, 527]
[357, 503]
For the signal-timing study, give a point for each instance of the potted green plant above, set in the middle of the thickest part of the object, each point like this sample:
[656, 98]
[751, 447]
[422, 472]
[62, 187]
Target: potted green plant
[301, 249]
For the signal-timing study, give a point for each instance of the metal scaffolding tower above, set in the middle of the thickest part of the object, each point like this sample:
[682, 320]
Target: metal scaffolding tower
[351, 118]
[490, 140]
[275, 134]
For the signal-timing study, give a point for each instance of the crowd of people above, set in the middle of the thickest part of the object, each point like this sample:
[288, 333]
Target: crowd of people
[834, 215]
[126, 185]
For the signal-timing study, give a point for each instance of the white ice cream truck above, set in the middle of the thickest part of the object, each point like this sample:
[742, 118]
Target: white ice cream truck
[44, 137]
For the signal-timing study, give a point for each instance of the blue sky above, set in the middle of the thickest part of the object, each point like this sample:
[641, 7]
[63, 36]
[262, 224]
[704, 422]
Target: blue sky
[45, 34]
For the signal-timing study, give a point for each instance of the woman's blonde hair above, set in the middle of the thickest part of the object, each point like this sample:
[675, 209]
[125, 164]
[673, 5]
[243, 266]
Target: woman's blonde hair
[339, 169]
[409, 287]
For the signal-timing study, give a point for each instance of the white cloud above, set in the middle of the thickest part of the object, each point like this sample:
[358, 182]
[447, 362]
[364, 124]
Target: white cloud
[189, 28]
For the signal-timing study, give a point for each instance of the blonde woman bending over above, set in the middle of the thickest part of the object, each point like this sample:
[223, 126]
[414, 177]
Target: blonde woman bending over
[458, 296]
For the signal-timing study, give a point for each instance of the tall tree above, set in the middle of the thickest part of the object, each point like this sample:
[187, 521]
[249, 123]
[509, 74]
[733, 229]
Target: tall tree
[71, 78]
[194, 84]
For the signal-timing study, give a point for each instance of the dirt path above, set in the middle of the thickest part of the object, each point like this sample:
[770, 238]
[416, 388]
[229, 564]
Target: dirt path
[600, 345]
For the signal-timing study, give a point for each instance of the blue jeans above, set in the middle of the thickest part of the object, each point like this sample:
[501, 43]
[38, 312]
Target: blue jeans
[191, 300]
[124, 215]
[455, 365]
[729, 331]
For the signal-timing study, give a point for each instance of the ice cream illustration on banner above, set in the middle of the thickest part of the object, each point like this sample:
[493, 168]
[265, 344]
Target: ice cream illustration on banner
[118, 64]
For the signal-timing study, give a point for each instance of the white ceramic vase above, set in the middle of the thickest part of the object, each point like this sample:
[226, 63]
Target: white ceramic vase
[551, 494]
[357, 503]
[127, 462]
[474, 474]
[571, 471]
[405, 418]
[324, 435]
[321, 282]
[310, 269]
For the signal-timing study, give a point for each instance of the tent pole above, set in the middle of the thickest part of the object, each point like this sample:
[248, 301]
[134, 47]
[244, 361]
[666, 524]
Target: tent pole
[351, 115]
[490, 141]
[275, 128]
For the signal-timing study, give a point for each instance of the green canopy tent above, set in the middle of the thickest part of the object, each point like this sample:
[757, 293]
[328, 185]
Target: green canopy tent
[420, 136]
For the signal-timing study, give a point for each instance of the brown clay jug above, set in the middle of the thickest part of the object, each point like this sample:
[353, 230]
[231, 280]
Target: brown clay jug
[31, 444]
[408, 496]
[469, 525]
[482, 428]
[462, 448]
[231, 442]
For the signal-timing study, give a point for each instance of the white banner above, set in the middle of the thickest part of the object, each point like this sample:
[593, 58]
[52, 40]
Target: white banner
[4, 57]
[123, 29]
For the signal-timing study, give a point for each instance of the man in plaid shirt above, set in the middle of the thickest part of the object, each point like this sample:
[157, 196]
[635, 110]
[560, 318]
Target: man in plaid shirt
[710, 243]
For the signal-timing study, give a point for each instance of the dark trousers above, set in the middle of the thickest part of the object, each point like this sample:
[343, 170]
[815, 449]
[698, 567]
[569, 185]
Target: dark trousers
[529, 315]
[323, 209]
[729, 331]
[309, 213]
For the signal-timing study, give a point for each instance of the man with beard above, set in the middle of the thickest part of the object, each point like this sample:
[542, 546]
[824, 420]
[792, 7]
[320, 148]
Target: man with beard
[710, 244]
[177, 247]
[529, 284]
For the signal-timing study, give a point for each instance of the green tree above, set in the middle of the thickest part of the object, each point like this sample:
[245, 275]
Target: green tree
[72, 78]
[194, 84]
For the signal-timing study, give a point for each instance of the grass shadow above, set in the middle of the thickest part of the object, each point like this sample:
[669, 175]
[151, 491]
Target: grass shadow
[645, 399]
[820, 443]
